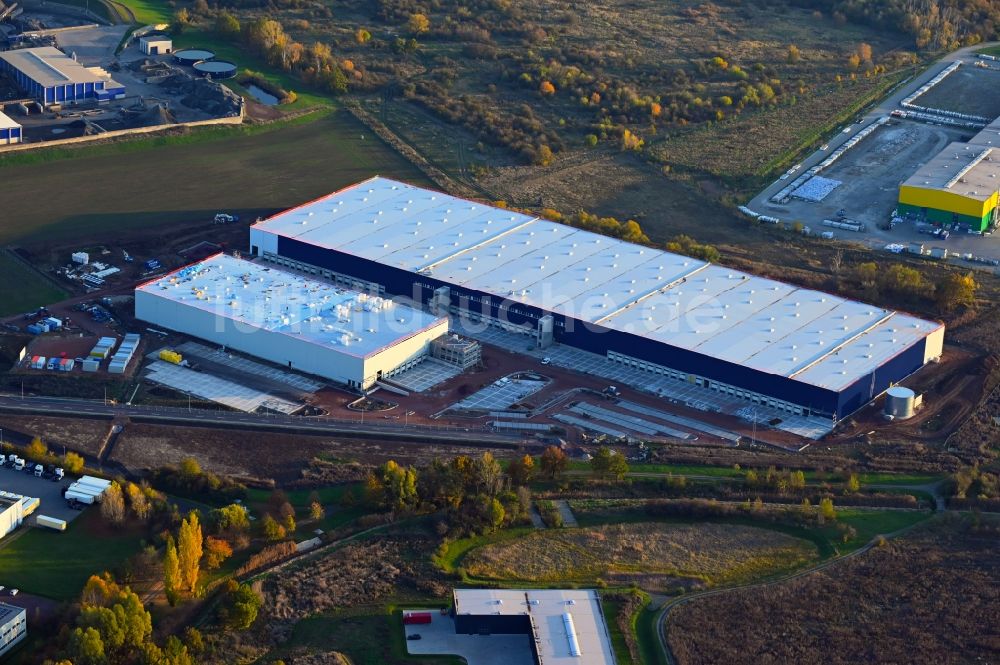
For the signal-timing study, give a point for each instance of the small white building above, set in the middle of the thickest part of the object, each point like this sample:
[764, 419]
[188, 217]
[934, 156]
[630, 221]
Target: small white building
[10, 131]
[13, 626]
[156, 44]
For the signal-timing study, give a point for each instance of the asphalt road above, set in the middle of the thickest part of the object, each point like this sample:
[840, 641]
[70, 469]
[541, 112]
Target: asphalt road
[375, 427]
[760, 203]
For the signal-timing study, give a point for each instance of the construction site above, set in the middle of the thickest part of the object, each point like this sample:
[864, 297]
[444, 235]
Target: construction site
[891, 180]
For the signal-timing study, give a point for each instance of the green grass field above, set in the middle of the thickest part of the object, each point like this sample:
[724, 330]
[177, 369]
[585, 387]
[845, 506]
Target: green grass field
[101, 191]
[375, 638]
[870, 523]
[57, 564]
[22, 289]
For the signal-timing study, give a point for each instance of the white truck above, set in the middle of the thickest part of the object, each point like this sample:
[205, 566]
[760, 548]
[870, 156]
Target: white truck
[79, 497]
[51, 522]
[19, 464]
[58, 474]
[39, 470]
[98, 484]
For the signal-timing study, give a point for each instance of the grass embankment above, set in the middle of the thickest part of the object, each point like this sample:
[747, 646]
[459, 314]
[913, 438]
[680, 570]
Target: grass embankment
[656, 555]
[368, 637]
[734, 473]
[148, 12]
[57, 564]
[247, 169]
[22, 289]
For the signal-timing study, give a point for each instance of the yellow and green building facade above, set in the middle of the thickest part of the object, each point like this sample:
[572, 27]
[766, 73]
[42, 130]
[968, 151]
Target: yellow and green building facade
[959, 186]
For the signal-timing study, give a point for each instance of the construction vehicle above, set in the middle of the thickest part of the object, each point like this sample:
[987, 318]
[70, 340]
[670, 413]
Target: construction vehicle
[223, 218]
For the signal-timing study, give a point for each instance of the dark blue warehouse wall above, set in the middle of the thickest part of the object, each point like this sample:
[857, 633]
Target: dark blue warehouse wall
[600, 340]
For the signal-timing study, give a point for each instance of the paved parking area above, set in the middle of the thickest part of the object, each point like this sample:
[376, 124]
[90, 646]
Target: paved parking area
[439, 637]
[94, 47]
[246, 366]
[216, 389]
[425, 375]
[49, 492]
[669, 388]
[501, 394]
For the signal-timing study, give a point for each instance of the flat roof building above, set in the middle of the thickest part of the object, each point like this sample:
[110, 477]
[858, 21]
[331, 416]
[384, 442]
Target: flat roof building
[958, 185]
[156, 44]
[343, 335]
[55, 78]
[567, 626]
[794, 349]
[10, 131]
[13, 626]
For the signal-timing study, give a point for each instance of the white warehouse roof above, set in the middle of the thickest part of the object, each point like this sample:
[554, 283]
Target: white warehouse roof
[555, 637]
[48, 66]
[6, 122]
[267, 298]
[813, 337]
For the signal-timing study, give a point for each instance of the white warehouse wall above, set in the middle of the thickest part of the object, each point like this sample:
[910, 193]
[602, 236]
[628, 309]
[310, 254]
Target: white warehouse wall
[284, 348]
[11, 517]
[390, 357]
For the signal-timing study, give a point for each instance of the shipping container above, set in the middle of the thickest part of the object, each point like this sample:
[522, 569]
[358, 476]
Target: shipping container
[91, 365]
[51, 522]
[413, 618]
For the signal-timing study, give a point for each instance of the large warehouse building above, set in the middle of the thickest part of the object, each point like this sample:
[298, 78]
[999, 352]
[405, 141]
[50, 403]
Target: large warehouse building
[763, 341]
[960, 185]
[566, 627]
[53, 77]
[342, 335]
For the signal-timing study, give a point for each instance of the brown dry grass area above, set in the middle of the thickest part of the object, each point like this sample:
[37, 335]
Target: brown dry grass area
[360, 573]
[281, 457]
[652, 554]
[77, 434]
[931, 598]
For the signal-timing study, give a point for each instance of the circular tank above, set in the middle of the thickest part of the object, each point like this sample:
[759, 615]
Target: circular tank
[217, 69]
[190, 56]
[899, 402]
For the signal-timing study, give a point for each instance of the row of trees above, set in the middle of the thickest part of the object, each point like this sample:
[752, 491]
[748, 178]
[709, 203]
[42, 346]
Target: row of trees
[113, 627]
[952, 291]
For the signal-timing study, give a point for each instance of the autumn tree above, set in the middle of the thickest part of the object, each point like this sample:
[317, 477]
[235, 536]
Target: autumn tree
[418, 24]
[955, 291]
[216, 552]
[362, 36]
[113, 504]
[793, 55]
[852, 485]
[240, 606]
[866, 273]
[271, 529]
[189, 551]
[227, 25]
[554, 462]
[316, 511]
[631, 141]
[37, 449]
[600, 463]
[826, 509]
[86, 647]
[797, 480]
[171, 573]
[546, 88]
[521, 470]
[138, 501]
[865, 52]
[72, 463]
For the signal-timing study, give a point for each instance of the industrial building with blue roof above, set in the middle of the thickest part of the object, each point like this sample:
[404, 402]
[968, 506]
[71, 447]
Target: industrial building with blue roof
[770, 343]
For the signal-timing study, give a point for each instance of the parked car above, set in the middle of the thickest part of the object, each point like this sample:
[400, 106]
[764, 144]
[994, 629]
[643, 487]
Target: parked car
[414, 636]
[546, 361]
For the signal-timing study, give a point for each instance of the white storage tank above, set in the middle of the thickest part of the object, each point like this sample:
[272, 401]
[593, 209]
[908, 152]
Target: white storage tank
[900, 402]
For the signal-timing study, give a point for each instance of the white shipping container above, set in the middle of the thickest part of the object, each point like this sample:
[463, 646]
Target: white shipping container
[81, 258]
[51, 522]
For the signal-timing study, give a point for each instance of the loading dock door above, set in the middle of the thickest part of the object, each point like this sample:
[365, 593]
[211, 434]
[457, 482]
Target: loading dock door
[154, 50]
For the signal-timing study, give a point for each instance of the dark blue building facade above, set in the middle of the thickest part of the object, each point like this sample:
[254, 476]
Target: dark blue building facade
[598, 339]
